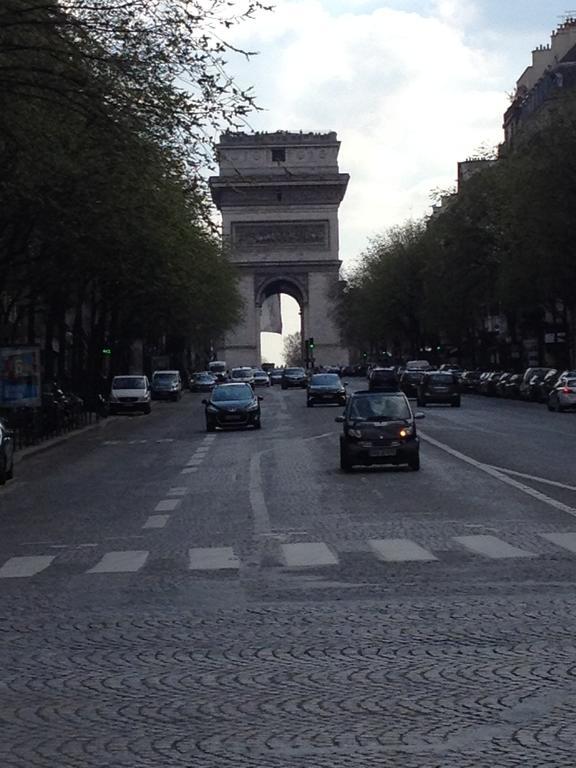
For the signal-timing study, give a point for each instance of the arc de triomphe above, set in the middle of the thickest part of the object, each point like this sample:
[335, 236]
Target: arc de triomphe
[279, 194]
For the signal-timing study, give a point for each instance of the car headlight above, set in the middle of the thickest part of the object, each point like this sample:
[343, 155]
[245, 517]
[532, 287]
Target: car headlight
[406, 432]
[355, 433]
[253, 407]
[211, 409]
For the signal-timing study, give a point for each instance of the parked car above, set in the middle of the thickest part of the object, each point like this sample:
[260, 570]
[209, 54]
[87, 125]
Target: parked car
[325, 388]
[563, 396]
[488, 383]
[470, 381]
[512, 386]
[6, 453]
[500, 383]
[529, 375]
[383, 380]
[232, 405]
[242, 375]
[166, 385]
[261, 378]
[439, 387]
[202, 381]
[379, 428]
[294, 377]
[547, 384]
[130, 393]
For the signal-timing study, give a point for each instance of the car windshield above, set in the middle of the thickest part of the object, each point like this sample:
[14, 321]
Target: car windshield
[164, 378]
[325, 379]
[129, 382]
[379, 408]
[242, 373]
[441, 378]
[232, 392]
[294, 371]
[260, 374]
[571, 382]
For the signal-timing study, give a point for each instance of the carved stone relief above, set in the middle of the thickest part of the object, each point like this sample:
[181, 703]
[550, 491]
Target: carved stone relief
[280, 234]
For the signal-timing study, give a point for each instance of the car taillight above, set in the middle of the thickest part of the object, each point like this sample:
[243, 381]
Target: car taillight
[567, 390]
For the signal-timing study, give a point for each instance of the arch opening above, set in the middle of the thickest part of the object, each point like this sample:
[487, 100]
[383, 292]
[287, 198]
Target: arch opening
[280, 323]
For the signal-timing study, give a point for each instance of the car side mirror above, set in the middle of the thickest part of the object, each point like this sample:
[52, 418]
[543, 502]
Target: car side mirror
[340, 419]
[345, 383]
[260, 397]
[204, 402]
[419, 415]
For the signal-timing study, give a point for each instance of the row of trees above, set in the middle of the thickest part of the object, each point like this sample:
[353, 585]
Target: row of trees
[106, 111]
[504, 245]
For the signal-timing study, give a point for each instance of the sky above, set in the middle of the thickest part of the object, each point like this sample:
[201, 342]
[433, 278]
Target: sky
[410, 86]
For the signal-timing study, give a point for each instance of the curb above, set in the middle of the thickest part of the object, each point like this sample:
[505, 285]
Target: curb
[31, 450]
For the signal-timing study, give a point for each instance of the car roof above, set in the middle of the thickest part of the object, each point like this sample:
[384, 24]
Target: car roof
[162, 370]
[377, 393]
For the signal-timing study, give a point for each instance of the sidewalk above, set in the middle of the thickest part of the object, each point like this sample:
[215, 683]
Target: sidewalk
[30, 450]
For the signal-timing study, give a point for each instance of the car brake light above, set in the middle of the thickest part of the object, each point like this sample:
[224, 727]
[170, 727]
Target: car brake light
[567, 390]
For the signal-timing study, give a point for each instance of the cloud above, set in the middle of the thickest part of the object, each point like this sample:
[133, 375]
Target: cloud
[406, 91]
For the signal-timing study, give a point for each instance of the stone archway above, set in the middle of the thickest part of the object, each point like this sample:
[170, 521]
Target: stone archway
[279, 195]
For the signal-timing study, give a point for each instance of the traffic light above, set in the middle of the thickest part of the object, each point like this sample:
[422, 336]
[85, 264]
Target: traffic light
[311, 342]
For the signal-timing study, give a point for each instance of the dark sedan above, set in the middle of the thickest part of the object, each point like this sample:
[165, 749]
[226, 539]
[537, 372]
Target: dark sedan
[294, 377]
[6, 453]
[202, 382]
[439, 387]
[232, 405]
[325, 388]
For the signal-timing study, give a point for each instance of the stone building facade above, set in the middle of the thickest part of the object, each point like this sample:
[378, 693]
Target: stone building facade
[279, 195]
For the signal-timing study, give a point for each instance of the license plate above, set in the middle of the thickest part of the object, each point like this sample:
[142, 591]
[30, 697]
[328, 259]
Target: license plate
[376, 452]
[234, 417]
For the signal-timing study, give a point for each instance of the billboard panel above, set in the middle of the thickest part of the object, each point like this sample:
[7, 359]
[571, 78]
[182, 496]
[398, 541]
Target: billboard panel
[20, 380]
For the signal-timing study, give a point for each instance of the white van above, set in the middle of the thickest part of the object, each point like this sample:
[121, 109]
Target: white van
[130, 393]
[166, 384]
[219, 369]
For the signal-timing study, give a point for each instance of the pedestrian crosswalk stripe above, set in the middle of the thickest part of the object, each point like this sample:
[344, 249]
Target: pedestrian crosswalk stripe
[19, 567]
[491, 546]
[564, 540]
[166, 505]
[307, 554]
[212, 559]
[399, 550]
[127, 561]
[156, 521]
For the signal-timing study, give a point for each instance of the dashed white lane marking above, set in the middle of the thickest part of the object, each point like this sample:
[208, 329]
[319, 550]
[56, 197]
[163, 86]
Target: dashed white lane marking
[19, 567]
[499, 475]
[307, 555]
[212, 559]
[491, 546]
[399, 550]
[127, 561]
[166, 440]
[536, 479]
[156, 521]
[195, 461]
[202, 450]
[319, 437]
[188, 470]
[111, 442]
[166, 505]
[136, 442]
[180, 490]
[564, 540]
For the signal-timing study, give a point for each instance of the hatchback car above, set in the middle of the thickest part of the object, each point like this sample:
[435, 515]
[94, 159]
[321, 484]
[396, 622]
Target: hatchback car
[6, 453]
[130, 393]
[563, 396]
[439, 387]
[276, 376]
[166, 385]
[202, 381]
[379, 428]
[383, 380]
[294, 377]
[325, 388]
[261, 378]
[232, 405]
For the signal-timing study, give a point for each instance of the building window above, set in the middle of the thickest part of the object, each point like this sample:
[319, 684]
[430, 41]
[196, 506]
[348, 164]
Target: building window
[279, 155]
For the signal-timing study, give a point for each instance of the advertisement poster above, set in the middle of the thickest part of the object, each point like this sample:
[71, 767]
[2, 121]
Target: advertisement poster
[20, 383]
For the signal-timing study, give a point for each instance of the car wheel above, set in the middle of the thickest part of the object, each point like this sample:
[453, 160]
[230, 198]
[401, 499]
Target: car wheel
[284, 386]
[345, 463]
[147, 410]
[10, 472]
[309, 403]
[258, 424]
[414, 464]
[210, 427]
[3, 471]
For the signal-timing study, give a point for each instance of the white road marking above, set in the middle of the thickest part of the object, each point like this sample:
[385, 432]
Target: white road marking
[180, 490]
[167, 505]
[202, 450]
[86, 546]
[535, 478]
[307, 554]
[156, 521]
[499, 475]
[320, 437]
[188, 470]
[20, 567]
[166, 440]
[111, 442]
[195, 461]
[491, 546]
[212, 559]
[257, 500]
[564, 540]
[209, 439]
[399, 550]
[127, 561]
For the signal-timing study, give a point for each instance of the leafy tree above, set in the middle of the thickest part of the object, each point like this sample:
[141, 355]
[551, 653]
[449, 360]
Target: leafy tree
[293, 349]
